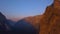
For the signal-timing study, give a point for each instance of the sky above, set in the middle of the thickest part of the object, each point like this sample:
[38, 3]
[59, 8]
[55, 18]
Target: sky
[23, 8]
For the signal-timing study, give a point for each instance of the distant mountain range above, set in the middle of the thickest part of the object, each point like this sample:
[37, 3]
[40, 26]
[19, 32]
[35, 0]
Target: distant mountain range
[21, 25]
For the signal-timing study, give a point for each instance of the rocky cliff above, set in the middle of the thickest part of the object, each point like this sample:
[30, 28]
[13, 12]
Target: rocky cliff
[2, 22]
[49, 22]
[40, 22]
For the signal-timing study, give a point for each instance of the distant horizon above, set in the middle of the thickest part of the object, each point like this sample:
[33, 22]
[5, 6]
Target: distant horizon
[19, 18]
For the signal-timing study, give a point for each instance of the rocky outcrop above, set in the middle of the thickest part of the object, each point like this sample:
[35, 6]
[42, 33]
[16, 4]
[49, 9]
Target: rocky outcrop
[40, 22]
[2, 22]
[2, 17]
[49, 22]
[44, 21]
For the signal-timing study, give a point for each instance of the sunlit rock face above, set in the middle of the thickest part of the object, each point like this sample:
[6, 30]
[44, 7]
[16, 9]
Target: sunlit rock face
[57, 4]
[34, 20]
[50, 22]
[40, 22]
[57, 7]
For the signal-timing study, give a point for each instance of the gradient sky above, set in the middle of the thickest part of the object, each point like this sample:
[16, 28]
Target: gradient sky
[23, 8]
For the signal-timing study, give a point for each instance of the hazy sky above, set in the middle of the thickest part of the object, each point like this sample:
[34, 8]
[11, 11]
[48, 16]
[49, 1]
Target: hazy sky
[23, 8]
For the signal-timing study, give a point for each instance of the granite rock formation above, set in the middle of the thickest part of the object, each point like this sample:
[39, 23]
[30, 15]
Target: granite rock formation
[49, 22]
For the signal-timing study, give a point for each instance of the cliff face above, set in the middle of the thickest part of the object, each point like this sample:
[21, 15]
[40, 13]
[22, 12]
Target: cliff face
[49, 22]
[44, 20]
[2, 22]
[57, 7]
[40, 22]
